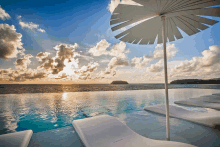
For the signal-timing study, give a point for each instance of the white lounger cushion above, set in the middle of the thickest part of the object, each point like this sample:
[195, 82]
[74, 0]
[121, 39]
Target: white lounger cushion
[107, 131]
[207, 118]
[209, 99]
[216, 94]
[199, 103]
[17, 139]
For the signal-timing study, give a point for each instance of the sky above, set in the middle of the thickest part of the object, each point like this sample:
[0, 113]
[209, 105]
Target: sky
[71, 42]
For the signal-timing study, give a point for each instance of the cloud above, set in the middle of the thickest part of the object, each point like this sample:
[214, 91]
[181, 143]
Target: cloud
[66, 51]
[10, 42]
[42, 56]
[106, 74]
[140, 62]
[118, 50]
[110, 71]
[115, 62]
[22, 63]
[30, 74]
[100, 48]
[32, 26]
[48, 64]
[22, 74]
[85, 72]
[158, 52]
[4, 15]
[64, 57]
[5, 71]
[157, 67]
[114, 3]
[210, 57]
[19, 16]
[206, 65]
[65, 54]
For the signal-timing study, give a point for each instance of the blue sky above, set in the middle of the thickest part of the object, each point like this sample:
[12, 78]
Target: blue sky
[46, 24]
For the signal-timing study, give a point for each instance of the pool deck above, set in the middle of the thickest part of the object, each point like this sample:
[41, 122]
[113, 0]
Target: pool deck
[181, 131]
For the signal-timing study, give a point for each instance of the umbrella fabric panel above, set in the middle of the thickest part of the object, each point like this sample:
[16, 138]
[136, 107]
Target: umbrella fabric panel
[185, 26]
[140, 31]
[201, 19]
[193, 4]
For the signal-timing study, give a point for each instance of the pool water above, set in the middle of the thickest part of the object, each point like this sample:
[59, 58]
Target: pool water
[47, 111]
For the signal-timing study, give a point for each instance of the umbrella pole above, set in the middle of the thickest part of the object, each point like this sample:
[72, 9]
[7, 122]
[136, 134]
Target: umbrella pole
[166, 79]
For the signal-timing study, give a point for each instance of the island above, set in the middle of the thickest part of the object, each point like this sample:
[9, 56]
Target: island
[119, 82]
[196, 81]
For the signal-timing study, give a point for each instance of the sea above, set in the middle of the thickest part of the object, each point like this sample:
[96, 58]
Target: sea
[48, 107]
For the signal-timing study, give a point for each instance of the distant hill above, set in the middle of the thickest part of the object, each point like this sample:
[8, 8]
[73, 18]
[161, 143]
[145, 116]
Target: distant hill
[119, 82]
[196, 81]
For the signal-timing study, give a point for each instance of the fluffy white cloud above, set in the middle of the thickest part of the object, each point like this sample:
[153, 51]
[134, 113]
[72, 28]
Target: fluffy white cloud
[29, 74]
[85, 72]
[22, 63]
[140, 62]
[4, 15]
[66, 51]
[22, 74]
[62, 66]
[65, 57]
[106, 74]
[115, 62]
[206, 65]
[5, 71]
[210, 57]
[114, 3]
[32, 26]
[48, 64]
[110, 71]
[19, 16]
[157, 67]
[118, 50]
[158, 52]
[42, 56]
[100, 48]
[10, 41]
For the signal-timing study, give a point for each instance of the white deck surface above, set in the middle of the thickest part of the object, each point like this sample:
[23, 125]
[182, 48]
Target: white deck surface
[210, 119]
[105, 130]
[17, 139]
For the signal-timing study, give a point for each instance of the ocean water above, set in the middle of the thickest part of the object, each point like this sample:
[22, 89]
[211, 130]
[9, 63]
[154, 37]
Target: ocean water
[59, 88]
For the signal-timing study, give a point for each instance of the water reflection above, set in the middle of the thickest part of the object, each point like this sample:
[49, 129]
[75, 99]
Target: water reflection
[44, 111]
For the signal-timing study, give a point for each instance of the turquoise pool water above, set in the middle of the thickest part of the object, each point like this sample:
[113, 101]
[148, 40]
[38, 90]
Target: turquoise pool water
[46, 111]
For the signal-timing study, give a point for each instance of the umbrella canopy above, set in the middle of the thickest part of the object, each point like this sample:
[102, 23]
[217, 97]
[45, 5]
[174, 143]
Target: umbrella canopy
[179, 13]
[161, 18]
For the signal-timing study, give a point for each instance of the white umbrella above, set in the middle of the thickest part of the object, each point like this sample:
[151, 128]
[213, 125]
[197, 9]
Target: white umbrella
[162, 19]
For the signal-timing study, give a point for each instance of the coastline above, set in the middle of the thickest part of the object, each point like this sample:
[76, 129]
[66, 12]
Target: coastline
[60, 88]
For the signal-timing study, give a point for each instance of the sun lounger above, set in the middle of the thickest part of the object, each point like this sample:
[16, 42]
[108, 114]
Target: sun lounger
[199, 103]
[210, 119]
[216, 94]
[215, 99]
[107, 131]
[17, 139]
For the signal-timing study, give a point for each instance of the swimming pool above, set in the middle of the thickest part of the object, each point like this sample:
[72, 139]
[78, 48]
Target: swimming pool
[46, 111]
